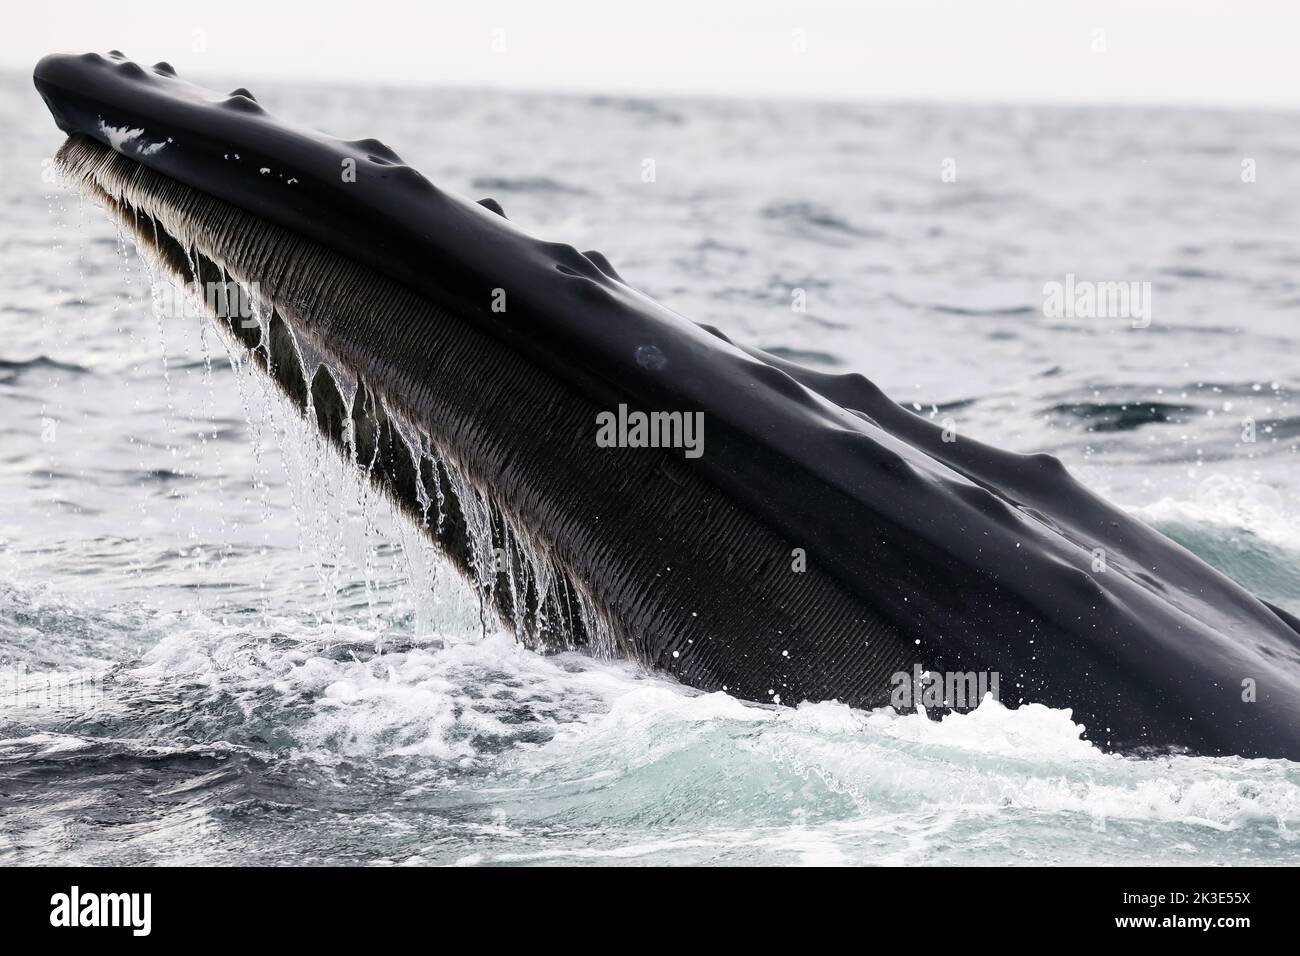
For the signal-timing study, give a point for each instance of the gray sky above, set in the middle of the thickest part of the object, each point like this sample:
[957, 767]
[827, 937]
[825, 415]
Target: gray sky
[1245, 52]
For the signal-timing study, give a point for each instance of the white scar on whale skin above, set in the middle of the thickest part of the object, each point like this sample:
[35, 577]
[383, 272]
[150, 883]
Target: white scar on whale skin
[120, 136]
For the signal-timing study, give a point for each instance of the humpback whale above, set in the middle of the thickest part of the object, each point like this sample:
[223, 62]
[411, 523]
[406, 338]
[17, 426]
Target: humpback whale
[823, 539]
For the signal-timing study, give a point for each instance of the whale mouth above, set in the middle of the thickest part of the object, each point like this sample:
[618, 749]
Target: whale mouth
[437, 414]
[288, 305]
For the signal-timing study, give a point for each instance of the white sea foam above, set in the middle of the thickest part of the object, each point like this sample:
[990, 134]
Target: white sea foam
[1236, 503]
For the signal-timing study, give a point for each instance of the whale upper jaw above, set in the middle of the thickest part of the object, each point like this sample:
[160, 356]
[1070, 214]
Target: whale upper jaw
[481, 422]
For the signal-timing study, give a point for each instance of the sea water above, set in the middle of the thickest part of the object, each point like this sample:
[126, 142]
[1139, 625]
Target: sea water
[216, 645]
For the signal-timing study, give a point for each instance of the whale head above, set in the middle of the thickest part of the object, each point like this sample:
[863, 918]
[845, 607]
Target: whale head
[809, 540]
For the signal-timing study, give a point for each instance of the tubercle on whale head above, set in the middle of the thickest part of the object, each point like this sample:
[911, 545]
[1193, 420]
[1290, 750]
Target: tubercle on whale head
[356, 196]
[982, 555]
[86, 80]
[88, 93]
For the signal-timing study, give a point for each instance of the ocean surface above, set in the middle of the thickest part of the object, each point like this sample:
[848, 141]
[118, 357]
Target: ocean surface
[217, 646]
